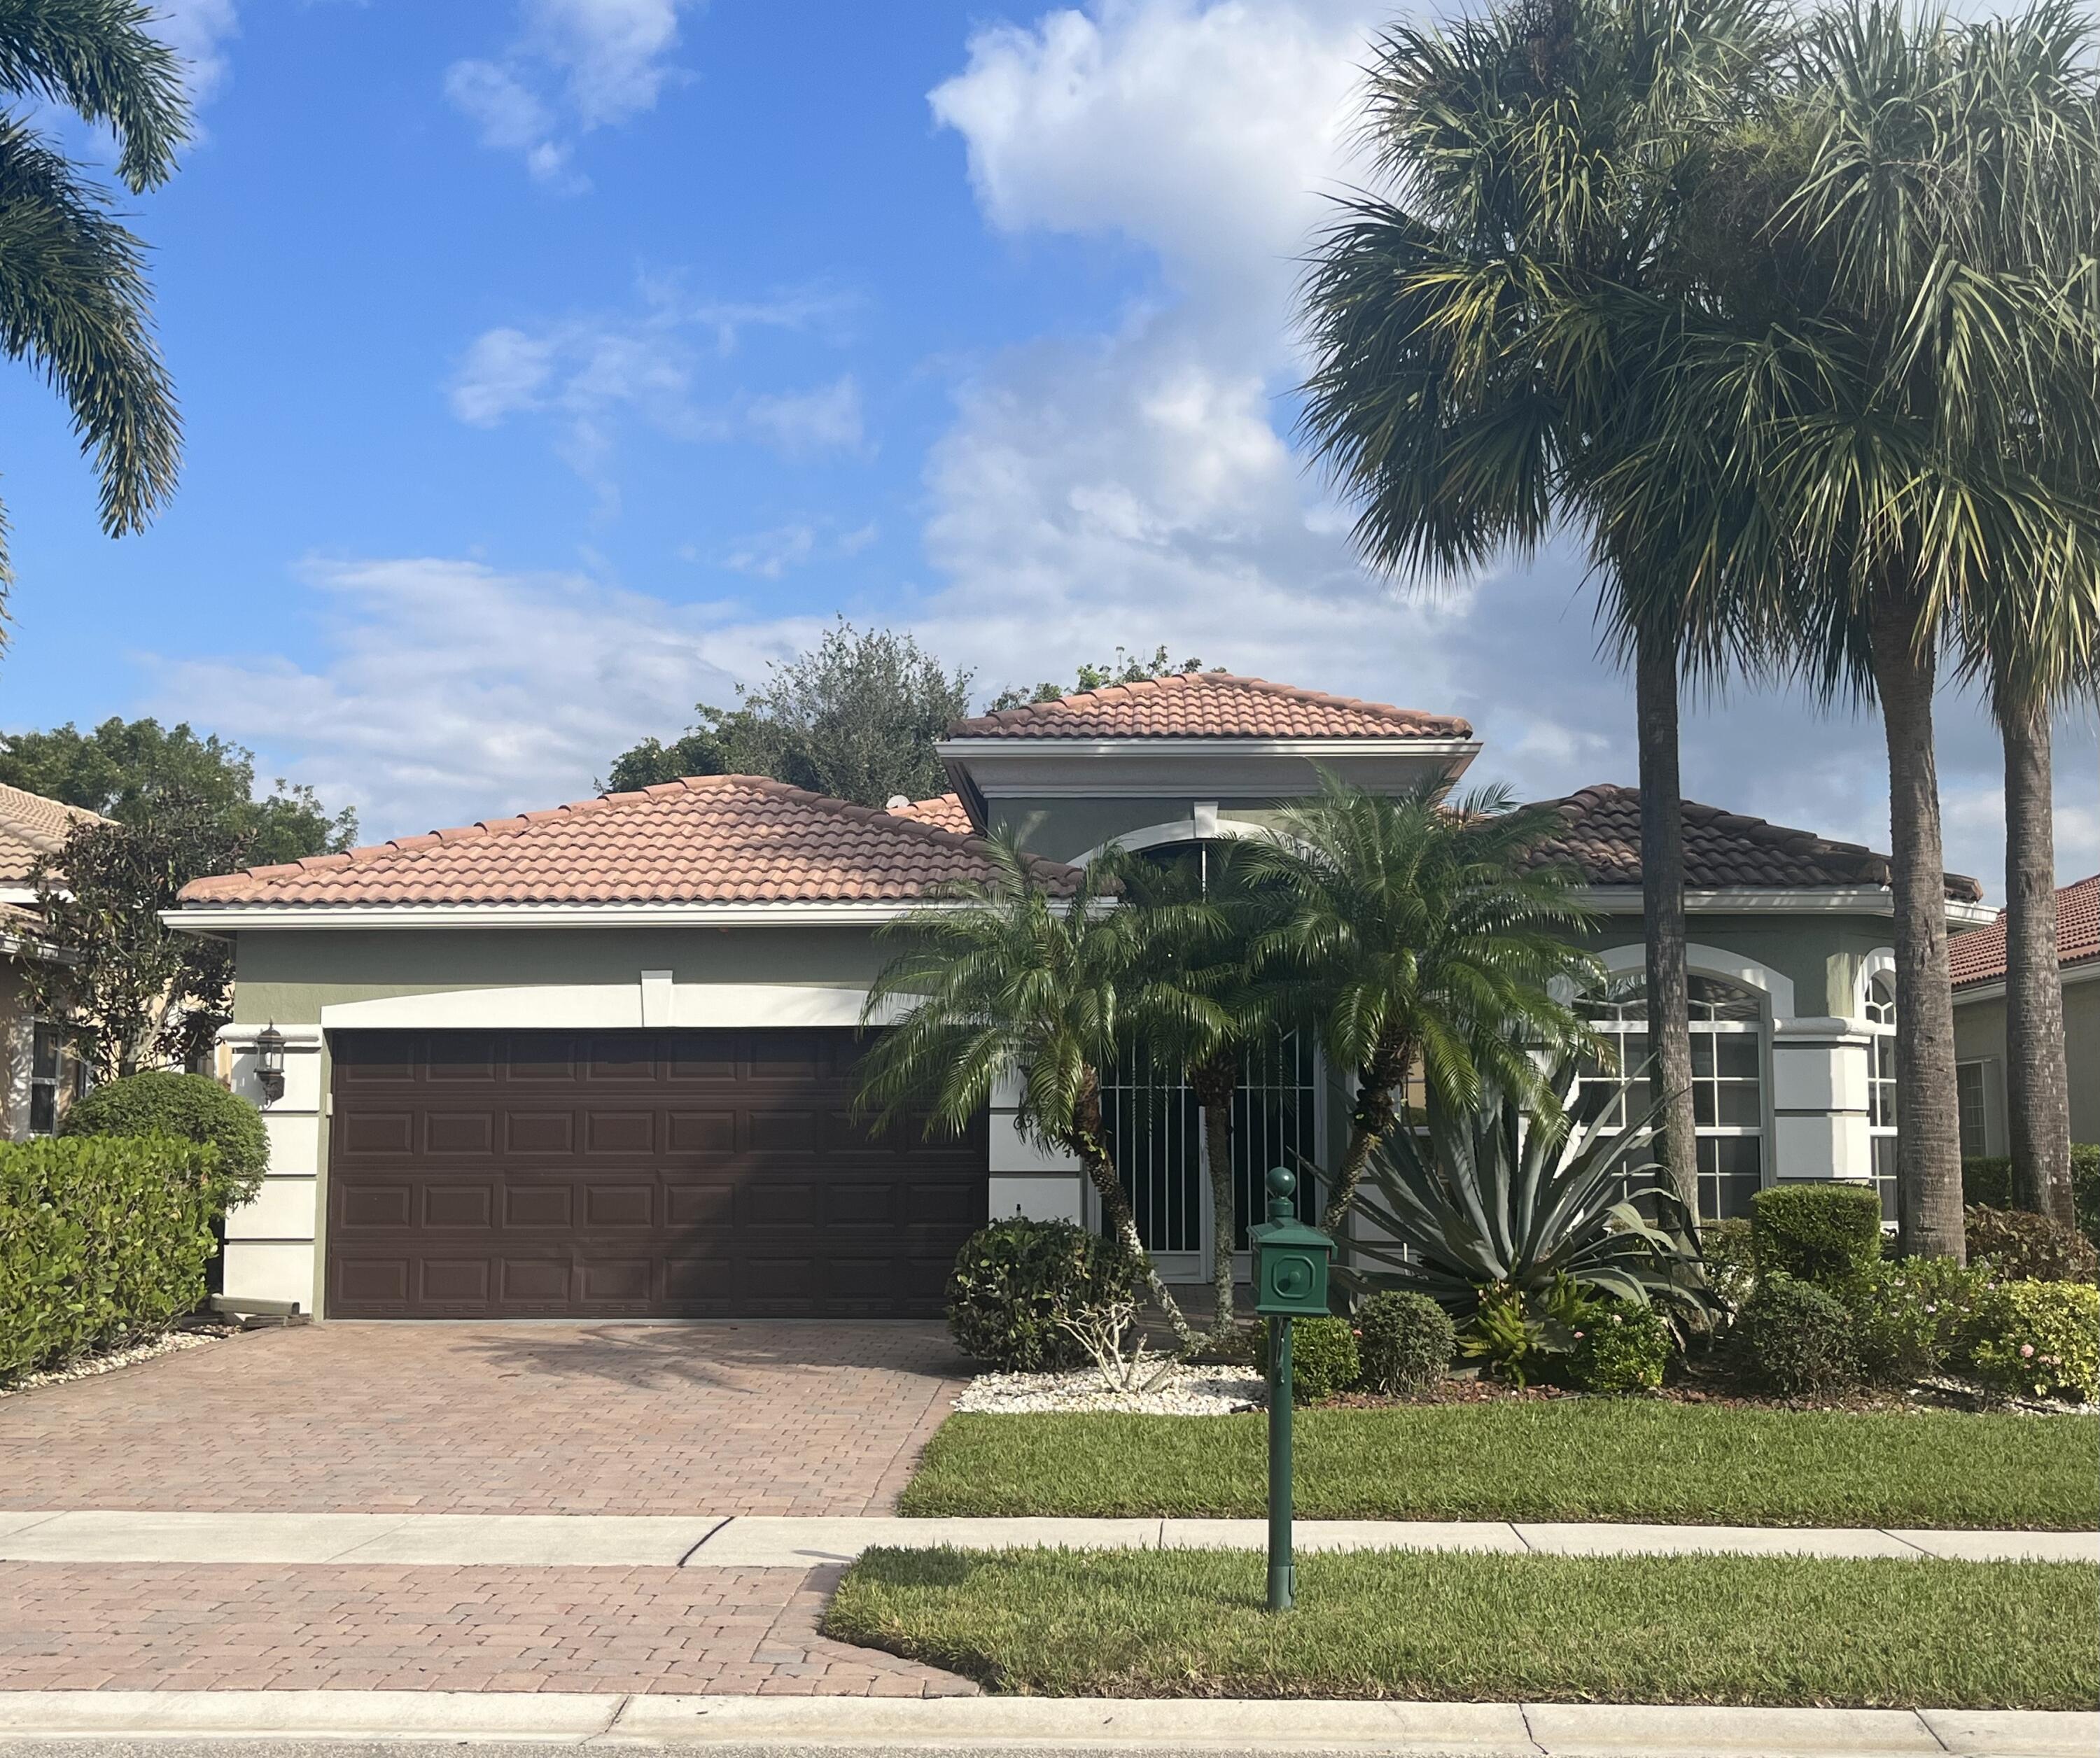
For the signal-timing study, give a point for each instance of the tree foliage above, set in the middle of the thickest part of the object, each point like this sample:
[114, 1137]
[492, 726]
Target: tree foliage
[855, 718]
[1127, 668]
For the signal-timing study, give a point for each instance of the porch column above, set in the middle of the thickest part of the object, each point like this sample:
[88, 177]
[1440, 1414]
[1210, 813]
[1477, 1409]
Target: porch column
[1820, 1071]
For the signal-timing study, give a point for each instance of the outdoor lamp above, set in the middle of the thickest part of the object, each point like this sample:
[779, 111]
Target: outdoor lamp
[269, 1062]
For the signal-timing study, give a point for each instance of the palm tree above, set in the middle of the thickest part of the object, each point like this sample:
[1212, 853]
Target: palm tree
[1869, 397]
[1032, 977]
[1412, 931]
[74, 301]
[1463, 391]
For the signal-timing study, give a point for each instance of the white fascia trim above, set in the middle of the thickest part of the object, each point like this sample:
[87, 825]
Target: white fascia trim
[230, 918]
[18, 894]
[606, 1006]
[1995, 990]
[964, 749]
[1714, 961]
[1758, 900]
[1188, 830]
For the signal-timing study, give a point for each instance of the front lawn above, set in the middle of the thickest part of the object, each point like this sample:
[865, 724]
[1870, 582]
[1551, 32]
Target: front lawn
[1575, 1459]
[1451, 1625]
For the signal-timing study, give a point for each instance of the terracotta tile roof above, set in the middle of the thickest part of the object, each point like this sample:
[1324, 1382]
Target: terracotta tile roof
[32, 827]
[1721, 849]
[1209, 705]
[710, 839]
[944, 812]
[1979, 956]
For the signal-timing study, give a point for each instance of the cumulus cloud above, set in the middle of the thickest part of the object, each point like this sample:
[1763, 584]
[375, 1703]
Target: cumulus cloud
[197, 30]
[827, 419]
[574, 66]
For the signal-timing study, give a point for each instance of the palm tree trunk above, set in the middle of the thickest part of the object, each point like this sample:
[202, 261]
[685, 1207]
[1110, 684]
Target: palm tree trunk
[1089, 1141]
[2037, 1079]
[1928, 1136]
[1373, 1118]
[1662, 907]
[1215, 1082]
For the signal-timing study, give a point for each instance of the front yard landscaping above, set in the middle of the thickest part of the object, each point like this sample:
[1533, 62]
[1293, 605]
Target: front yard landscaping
[1571, 1459]
[1765, 1630]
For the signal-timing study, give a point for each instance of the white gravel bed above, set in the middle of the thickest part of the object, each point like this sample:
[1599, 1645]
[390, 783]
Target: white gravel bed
[1186, 1391]
[88, 1366]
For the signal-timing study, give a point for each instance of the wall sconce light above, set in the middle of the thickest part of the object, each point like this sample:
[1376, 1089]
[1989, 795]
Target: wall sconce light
[270, 1062]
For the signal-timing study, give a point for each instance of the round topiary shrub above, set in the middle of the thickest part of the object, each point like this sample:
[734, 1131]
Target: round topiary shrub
[1406, 1341]
[1827, 1234]
[1324, 1361]
[1622, 1348]
[2029, 1248]
[1016, 1281]
[191, 1108]
[1800, 1338]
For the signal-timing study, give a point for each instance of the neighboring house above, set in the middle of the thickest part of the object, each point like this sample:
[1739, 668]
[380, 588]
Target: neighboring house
[41, 1076]
[598, 1060]
[1979, 961]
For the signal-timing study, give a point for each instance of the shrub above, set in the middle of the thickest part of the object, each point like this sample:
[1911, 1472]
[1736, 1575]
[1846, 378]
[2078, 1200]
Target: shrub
[192, 1107]
[1826, 1234]
[1990, 1181]
[1620, 1348]
[101, 1241]
[1406, 1341]
[1799, 1337]
[2029, 1248]
[1323, 1359]
[1731, 1261]
[2039, 1339]
[1912, 1317]
[1015, 1280]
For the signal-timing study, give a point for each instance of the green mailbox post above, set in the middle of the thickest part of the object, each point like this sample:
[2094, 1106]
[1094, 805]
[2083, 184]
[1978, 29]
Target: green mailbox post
[1291, 1262]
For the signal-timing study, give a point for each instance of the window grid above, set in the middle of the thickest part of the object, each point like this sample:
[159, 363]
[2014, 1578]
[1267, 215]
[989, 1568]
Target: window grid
[1969, 1106]
[1881, 1011]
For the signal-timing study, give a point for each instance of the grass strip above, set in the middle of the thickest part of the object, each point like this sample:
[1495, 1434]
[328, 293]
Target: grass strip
[1589, 1459]
[1459, 1626]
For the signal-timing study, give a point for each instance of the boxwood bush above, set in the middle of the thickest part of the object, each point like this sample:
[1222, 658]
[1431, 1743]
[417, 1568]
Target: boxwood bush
[102, 1240]
[1800, 1336]
[1324, 1359]
[192, 1107]
[1015, 1280]
[1826, 1234]
[1990, 1181]
[1405, 1343]
[1622, 1348]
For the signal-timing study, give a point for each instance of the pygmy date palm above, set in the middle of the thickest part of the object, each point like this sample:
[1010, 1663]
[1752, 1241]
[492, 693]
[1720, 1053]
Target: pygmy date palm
[74, 301]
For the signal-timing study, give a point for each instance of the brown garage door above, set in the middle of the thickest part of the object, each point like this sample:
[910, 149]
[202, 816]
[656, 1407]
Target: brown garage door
[625, 1174]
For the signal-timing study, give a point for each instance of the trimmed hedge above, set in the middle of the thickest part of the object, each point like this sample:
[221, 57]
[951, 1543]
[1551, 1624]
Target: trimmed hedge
[1800, 1336]
[2040, 1339]
[192, 1108]
[1989, 1182]
[1406, 1341]
[1826, 1234]
[1622, 1348]
[1016, 1281]
[1324, 1361]
[102, 1240]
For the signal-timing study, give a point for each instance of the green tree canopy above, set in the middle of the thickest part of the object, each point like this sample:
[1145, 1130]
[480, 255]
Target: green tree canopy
[1127, 668]
[124, 769]
[856, 718]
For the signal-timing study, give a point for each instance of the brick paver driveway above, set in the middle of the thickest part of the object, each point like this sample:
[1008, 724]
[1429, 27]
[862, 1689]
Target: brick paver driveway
[751, 1417]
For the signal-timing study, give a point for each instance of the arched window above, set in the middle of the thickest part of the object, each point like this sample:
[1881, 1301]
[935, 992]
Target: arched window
[1727, 1082]
[1880, 1008]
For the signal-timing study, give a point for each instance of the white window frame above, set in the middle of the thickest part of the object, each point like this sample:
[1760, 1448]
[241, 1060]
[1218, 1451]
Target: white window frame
[1876, 1012]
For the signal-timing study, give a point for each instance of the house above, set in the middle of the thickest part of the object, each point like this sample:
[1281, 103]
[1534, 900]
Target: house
[1978, 959]
[39, 1076]
[598, 1060]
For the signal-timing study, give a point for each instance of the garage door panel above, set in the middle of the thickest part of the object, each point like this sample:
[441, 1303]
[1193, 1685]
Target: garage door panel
[469, 1176]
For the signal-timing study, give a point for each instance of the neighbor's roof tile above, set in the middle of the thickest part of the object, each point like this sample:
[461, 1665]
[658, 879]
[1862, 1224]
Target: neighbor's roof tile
[1979, 956]
[944, 812]
[32, 828]
[1721, 849]
[1209, 705]
[711, 839]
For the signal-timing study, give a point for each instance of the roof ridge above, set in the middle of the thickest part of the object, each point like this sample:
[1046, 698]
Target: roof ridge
[1125, 689]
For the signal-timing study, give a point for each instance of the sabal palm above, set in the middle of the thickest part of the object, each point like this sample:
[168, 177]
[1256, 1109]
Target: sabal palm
[1005, 979]
[1464, 391]
[1411, 930]
[74, 300]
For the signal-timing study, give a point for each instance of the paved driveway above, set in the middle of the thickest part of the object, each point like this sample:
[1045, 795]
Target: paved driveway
[727, 1418]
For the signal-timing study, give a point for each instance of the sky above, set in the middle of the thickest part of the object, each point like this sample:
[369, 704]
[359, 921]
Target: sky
[549, 366]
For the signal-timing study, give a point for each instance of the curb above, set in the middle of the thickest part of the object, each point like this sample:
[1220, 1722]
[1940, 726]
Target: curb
[1048, 1725]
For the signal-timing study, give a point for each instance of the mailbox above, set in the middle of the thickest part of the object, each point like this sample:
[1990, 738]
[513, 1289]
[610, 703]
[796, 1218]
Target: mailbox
[1290, 1259]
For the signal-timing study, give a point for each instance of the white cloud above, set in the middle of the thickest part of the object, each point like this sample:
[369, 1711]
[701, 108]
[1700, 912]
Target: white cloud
[574, 66]
[827, 419]
[767, 555]
[197, 30]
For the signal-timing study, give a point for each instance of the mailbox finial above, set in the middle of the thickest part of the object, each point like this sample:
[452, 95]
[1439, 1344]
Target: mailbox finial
[1282, 1187]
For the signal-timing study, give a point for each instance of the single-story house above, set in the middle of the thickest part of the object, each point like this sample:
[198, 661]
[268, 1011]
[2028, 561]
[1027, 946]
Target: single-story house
[38, 1074]
[1978, 959]
[598, 1060]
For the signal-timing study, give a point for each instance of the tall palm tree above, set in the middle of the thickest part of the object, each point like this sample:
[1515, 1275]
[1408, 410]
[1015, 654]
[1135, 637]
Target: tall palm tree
[1535, 157]
[1414, 931]
[1003, 980]
[74, 300]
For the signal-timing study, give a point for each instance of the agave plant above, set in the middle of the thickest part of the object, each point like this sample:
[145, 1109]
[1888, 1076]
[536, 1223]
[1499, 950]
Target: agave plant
[1498, 1205]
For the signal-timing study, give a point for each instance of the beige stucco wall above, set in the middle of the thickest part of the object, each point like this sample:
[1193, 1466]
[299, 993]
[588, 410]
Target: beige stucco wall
[1979, 1036]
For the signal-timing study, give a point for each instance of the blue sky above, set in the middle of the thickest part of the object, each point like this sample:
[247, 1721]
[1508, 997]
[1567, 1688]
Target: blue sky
[549, 364]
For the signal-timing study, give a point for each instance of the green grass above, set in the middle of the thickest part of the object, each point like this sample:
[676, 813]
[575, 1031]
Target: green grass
[1589, 1459]
[1453, 1625]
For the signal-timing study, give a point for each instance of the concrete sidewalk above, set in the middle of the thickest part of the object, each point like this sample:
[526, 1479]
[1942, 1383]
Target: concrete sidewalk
[765, 1542]
[1017, 1724]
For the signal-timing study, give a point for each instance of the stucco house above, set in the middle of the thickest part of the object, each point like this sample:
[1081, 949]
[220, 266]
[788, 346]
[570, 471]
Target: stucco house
[38, 1075]
[597, 1060]
[1978, 959]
